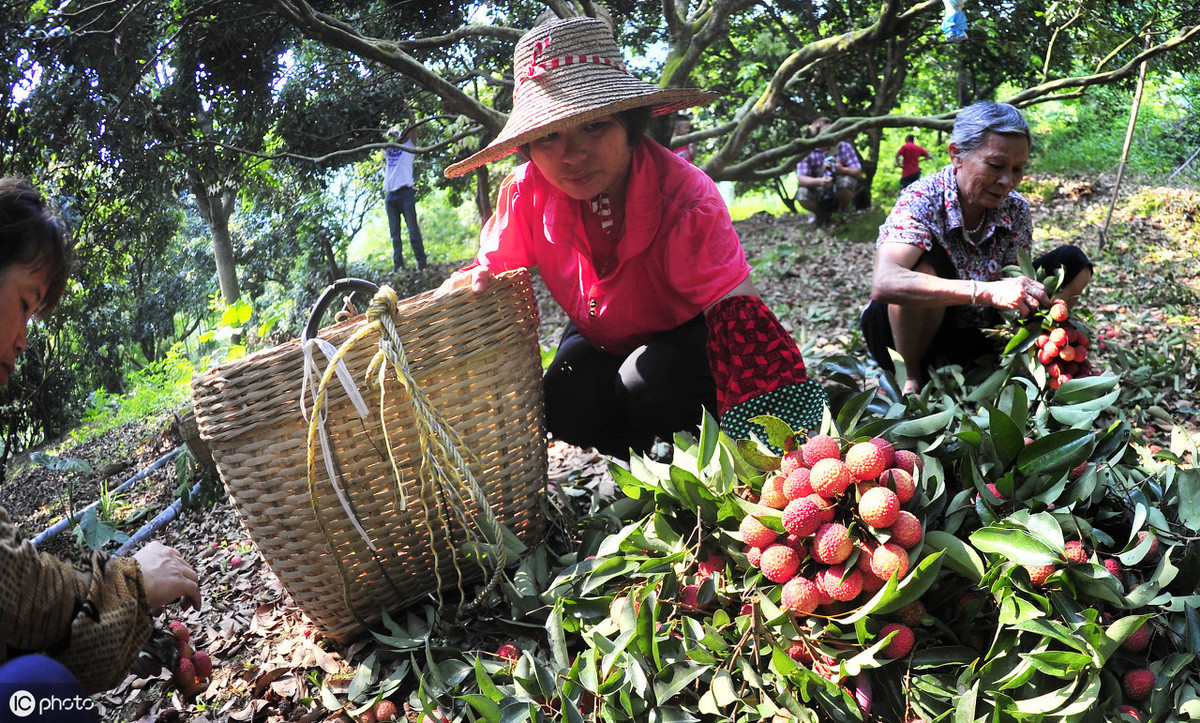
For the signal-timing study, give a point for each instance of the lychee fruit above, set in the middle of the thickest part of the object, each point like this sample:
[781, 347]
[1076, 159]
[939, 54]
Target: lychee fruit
[864, 460]
[1141, 535]
[879, 507]
[1058, 310]
[796, 485]
[798, 651]
[1077, 471]
[714, 565]
[800, 595]
[825, 506]
[180, 631]
[912, 613]
[185, 673]
[1138, 683]
[1138, 640]
[889, 560]
[908, 461]
[831, 543]
[1075, 553]
[1113, 565]
[1130, 711]
[886, 449]
[1039, 573]
[753, 555]
[840, 584]
[801, 517]
[508, 652]
[820, 447]
[779, 563]
[755, 533]
[900, 481]
[1058, 335]
[791, 461]
[996, 491]
[689, 596]
[772, 493]
[829, 477]
[202, 664]
[906, 530]
[385, 710]
[797, 543]
[902, 644]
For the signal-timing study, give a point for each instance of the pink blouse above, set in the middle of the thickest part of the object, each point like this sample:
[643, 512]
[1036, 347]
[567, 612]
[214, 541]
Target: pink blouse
[678, 253]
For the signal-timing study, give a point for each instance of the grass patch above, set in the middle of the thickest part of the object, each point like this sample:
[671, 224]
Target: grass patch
[155, 392]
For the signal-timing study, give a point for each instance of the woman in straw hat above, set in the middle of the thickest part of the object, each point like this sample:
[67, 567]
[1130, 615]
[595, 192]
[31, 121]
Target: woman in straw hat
[637, 247]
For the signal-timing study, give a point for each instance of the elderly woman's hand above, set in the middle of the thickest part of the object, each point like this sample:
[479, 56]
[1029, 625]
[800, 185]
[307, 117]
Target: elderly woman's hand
[1021, 294]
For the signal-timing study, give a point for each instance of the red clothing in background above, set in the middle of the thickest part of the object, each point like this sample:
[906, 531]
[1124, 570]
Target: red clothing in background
[910, 155]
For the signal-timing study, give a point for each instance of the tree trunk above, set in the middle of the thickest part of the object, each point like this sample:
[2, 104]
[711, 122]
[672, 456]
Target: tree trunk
[483, 194]
[215, 207]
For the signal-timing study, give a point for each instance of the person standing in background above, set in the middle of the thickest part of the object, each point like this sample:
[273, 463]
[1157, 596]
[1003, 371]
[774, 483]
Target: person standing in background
[401, 199]
[908, 158]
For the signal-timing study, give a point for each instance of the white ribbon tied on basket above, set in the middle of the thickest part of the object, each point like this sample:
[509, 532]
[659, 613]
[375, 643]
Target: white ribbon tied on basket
[356, 398]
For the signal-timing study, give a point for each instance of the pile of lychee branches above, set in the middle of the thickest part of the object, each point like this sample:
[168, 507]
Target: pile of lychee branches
[1054, 579]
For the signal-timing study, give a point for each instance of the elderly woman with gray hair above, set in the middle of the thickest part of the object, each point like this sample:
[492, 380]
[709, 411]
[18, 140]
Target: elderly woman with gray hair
[938, 258]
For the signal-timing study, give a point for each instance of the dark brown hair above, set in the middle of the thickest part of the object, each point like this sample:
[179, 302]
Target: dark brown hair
[31, 233]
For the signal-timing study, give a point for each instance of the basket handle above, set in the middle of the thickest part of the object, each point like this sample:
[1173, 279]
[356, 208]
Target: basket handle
[328, 296]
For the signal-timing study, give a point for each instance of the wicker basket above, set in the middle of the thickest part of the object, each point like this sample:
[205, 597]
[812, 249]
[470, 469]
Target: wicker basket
[477, 360]
[190, 434]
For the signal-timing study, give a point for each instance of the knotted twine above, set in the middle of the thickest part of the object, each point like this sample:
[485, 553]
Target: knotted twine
[443, 473]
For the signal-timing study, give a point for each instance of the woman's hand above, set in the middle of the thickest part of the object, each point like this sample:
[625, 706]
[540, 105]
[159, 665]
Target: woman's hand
[167, 576]
[478, 277]
[1021, 294]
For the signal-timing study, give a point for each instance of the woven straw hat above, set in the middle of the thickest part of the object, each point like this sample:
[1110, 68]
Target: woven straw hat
[568, 72]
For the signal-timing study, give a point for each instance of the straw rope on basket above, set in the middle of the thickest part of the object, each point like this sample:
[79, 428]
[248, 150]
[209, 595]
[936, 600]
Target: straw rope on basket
[412, 448]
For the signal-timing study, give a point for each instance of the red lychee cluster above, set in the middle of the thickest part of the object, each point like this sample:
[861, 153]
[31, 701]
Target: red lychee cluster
[193, 669]
[1063, 348]
[822, 496]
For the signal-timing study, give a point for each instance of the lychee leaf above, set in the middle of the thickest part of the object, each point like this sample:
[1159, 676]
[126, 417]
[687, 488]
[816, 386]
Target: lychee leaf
[925, 426]
[960, 556]
[1006, 438]
[1056, 451]
[1013, 544]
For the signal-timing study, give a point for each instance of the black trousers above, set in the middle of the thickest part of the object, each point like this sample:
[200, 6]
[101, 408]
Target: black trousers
[956, 342]
[617, 403]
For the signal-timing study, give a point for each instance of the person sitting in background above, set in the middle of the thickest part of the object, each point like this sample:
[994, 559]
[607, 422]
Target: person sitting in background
[65, 629]
[683, 126]
[636, 245]
[939, 254]
[828, 180]
[908, 159]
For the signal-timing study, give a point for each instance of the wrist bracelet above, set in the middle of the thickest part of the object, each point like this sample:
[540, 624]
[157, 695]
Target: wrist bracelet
[974, 291]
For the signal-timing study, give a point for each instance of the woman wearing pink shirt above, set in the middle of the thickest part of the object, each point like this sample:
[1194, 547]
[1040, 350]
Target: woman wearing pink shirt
[637, 247]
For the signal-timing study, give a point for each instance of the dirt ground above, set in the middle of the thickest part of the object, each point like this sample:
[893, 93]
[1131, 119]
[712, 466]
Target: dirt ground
[816, 279]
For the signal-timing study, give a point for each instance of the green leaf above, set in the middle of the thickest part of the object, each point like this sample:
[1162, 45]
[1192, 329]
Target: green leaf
[851, 412]
[364, 676]
[1015, 545]
[1057, 451]
[674, 678]
[924, 426]
[960, 556]
[1006, 437]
